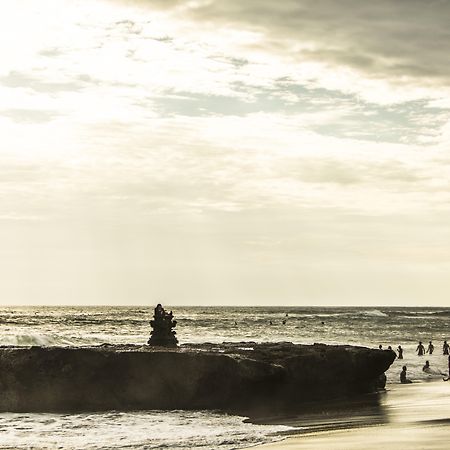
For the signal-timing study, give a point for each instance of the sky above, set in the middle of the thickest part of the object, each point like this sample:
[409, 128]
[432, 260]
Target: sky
[225, 152]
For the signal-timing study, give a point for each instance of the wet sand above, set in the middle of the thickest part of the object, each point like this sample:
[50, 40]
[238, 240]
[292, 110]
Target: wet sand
[414, 416]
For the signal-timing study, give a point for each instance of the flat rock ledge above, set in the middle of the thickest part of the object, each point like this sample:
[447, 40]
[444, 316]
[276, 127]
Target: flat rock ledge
[243, 377]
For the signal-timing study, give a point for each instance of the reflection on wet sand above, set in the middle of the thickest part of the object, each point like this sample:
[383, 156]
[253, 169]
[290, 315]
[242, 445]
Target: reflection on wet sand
[414, 416]
[332, 415]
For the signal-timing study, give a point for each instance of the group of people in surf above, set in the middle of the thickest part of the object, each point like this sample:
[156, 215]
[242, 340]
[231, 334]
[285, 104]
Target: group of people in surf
[421, 348]
[421, 351]
[427, 369]
[399, 353]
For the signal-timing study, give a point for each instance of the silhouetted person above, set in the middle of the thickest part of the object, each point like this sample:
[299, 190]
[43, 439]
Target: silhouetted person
[403, 378]
[445, 348]
[284, 322]
[270, 323]
[400, 352]
[380, 347]
[430, 348]
[427, 369]
[420, 349]
[390, 349]
[159, 311]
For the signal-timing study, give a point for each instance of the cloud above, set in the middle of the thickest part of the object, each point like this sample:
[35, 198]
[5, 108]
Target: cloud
[51, 52]
[386, 52]
[29, 115]
[388, 174]
[384, 38]
[16, 79]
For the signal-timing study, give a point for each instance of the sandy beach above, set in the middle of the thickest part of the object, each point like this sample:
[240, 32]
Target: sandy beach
[414, 416]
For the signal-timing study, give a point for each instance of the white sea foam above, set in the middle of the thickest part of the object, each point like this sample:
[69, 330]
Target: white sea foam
[374, 313]
[131, 430]
[33, 339]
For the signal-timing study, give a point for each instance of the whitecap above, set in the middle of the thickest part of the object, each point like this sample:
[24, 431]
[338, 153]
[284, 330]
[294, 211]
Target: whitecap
[374, 313]
[25, 340]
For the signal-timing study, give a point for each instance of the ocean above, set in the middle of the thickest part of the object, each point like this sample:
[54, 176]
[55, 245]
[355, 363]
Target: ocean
[83, 326]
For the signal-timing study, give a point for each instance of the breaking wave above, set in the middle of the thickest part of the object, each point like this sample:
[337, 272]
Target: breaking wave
[441, 313]
[374, 313]
[177, 430]
[33, 339]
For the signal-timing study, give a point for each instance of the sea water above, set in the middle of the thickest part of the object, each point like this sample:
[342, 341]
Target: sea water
[66, 326]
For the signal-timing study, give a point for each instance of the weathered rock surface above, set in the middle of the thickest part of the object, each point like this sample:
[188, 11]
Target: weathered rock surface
[235, 377]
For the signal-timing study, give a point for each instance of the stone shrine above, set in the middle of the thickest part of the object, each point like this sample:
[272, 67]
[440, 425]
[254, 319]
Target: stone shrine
[163, 334]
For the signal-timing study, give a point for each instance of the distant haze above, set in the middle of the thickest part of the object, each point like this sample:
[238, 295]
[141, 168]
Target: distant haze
[219, 152]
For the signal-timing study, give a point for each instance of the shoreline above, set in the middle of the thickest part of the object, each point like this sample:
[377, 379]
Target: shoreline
[413, 416]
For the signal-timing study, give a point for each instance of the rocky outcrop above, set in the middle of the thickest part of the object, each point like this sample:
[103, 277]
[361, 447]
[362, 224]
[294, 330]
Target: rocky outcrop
[235, 377]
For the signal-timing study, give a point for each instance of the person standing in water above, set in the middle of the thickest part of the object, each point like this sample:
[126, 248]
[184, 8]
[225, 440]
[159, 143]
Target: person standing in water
[403, 378]
[445, 348]
[420, 349]
[430, 348]
[400, 352]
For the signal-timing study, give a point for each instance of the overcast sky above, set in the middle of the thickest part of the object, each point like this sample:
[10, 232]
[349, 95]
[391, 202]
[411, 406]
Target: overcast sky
[225, 152]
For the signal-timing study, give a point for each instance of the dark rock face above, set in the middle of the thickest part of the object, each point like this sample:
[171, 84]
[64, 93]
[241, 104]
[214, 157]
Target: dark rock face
[239, 377]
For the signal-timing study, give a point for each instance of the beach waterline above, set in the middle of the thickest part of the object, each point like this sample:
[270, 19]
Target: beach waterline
[414, 416]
